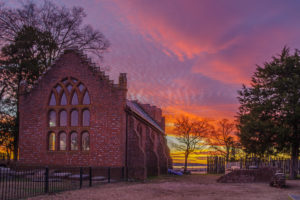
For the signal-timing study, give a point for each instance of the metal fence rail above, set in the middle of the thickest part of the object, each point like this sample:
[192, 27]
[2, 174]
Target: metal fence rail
[22, 182]
[279, 163]
[215, 165]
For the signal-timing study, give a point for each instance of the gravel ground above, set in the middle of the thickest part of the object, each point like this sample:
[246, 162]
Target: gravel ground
[182, 188]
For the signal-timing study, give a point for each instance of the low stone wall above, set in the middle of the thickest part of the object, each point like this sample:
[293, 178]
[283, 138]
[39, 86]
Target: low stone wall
[248, 175]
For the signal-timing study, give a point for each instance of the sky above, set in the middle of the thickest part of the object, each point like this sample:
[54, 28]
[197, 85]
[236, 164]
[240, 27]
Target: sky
[190, 57]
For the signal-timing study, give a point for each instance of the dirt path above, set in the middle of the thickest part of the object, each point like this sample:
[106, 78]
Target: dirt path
[182, 188]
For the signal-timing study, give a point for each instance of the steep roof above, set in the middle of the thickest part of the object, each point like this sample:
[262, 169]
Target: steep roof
[134, 107]
[84, 59]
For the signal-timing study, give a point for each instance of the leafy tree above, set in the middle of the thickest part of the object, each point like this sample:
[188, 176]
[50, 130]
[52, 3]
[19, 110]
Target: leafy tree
[7, 126]
[269, 114]
[31, 38]
[190, 135]
[24, 59]
[222, 140]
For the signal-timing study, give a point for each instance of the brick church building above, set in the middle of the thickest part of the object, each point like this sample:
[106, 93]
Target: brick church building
[76, 116]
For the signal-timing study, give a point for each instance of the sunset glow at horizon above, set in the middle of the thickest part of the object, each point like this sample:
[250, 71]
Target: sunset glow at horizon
[190, 57]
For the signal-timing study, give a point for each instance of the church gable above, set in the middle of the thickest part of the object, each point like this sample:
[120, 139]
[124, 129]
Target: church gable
[71, 109]
[76, 116]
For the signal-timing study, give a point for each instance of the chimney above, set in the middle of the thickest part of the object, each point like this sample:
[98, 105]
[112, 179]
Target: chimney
[123, 81]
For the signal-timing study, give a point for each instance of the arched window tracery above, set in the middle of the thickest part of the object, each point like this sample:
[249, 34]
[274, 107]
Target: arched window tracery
[69, 106]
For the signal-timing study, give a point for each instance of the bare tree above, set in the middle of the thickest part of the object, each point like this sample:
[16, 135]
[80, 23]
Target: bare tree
[64, 25]
[190, 135]
[31, 38]
[222, 139]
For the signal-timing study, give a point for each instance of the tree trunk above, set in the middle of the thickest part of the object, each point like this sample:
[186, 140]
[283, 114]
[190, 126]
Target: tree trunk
[185, 162]
[16, 135]
[227, 154]
[294, 161]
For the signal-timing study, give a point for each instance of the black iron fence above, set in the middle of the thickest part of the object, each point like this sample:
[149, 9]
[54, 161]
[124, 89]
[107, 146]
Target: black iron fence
[215, 165]
[22, 182]
[278, 163]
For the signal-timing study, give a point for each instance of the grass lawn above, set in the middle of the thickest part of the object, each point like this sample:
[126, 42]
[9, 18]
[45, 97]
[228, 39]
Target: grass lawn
[186, 187]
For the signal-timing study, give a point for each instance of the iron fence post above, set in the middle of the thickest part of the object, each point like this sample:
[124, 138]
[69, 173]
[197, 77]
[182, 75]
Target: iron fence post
[80, 180]
[46, 180]
[108, 175]
[90, 176]
[123, 173]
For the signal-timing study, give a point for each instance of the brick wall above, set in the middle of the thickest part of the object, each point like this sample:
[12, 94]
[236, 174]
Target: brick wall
[107, 118]
[147, 151]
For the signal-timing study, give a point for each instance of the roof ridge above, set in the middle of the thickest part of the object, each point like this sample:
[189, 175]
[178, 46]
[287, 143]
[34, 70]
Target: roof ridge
[85, 60]
[151, 121]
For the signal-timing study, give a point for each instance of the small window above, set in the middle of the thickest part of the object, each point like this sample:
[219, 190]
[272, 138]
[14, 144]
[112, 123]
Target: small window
[63, 141]
[65, 81]
[52, 141]
[74, 80]
[58, 88]
[74, 141]
[86, 118]
[63, 101]
[52, 100]
[74, 118]
[52, 118]
[69, 87]
[75, 99]
[85, 141]
[86, 98]
[63, 118]
[81, 87]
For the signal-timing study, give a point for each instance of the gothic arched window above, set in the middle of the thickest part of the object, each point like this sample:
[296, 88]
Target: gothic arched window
[52, 100]
[85, 141]
[51, 141]
[75, 99]
[62, 141]
[69, 106]
[74, 141]
[52, 118]
[63, 119]
[86, 98]
[74, 118]
[86, 118]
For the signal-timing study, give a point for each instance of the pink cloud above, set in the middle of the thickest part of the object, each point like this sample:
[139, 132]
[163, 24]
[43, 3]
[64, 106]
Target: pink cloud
[190, 57]
[195, 29]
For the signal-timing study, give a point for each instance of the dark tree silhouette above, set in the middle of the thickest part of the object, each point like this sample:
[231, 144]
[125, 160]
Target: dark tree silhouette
[269, 114]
